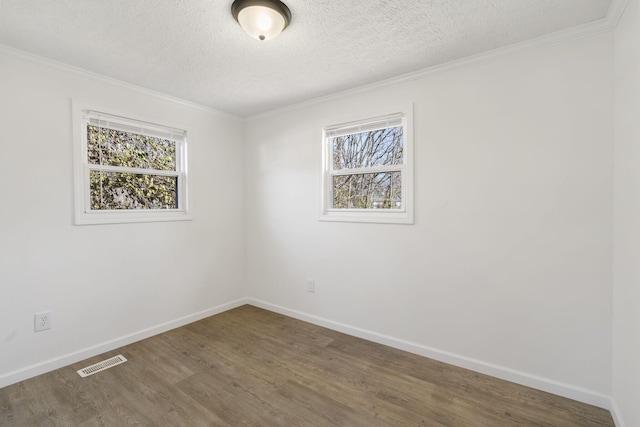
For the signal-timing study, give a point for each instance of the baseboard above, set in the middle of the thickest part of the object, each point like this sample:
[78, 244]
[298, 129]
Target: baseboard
[615, 414]
[523, 378]
[67, 359]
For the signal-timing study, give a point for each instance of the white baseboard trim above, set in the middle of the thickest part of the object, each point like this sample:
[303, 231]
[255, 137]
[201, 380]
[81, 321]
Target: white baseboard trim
[523, 378]
[565, 390]
[67, 359]
[615, 414]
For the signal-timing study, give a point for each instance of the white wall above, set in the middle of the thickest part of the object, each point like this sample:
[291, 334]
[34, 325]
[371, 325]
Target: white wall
[507, 269]
[106, 284]
[626, 290]
[508, 266]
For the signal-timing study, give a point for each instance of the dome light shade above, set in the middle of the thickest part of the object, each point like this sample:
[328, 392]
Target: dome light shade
[261, 19]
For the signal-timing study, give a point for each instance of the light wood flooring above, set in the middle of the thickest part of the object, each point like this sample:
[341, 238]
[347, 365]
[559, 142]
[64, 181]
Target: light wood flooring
[251, 367]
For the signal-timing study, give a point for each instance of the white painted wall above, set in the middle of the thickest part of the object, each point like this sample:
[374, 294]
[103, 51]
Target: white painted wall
[106, 284]
[508, 266]
[507, 269]
[626, 290]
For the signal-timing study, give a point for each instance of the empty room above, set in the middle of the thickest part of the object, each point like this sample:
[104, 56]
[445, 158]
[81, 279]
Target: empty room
[320, 213]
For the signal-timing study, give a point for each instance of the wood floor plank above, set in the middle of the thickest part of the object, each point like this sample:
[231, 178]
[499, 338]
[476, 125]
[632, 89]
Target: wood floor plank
[251, 367]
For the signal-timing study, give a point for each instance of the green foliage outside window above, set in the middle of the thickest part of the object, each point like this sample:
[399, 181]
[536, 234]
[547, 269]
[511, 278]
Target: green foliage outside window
[127, 189]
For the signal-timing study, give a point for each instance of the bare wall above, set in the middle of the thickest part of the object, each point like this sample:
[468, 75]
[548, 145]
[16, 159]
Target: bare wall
[507, 268]
[106, 284]
[626, 288]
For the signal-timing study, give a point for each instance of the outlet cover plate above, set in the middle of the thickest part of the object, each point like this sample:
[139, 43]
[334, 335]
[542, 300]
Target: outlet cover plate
[42, 321]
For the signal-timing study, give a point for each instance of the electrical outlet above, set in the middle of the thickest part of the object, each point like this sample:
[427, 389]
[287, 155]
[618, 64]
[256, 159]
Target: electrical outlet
[311, 285]
[42, 321]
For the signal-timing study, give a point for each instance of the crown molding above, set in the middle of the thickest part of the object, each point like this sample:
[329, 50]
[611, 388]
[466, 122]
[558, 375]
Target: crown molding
[605, 25]
[616, 10]
[81, 72]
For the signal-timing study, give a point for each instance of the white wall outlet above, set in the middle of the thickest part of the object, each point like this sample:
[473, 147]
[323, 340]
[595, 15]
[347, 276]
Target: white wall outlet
[311, 285]
[42, 321]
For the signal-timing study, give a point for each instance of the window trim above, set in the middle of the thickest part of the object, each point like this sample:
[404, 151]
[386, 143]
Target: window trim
[366, 121]
[83, 214]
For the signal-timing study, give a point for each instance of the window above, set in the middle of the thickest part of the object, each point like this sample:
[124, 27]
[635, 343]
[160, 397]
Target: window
[368, 170]
[127, 170]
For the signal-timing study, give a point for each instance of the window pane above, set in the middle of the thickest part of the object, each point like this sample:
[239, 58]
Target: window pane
[382, 147]
[118, 190]
[368, 191]
[116, 148]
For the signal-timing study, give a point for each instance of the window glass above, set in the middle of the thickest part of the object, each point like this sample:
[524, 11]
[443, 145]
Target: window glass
[366, 149]
[122, 190]
[381, 190]
[119, 148]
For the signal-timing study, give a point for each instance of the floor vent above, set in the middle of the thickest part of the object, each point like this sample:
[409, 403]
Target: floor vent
[101, 366]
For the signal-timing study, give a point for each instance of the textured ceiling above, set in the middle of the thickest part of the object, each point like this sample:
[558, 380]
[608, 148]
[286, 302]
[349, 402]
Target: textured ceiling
[195, 50]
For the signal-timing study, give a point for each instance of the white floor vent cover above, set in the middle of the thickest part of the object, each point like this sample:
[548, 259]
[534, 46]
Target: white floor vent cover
[101, 366]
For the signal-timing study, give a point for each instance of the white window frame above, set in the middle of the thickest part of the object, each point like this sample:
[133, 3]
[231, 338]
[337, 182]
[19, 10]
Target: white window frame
[372, 117]
[82, 114]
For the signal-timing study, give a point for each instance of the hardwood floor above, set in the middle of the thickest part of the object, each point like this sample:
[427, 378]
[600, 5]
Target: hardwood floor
[251, 367]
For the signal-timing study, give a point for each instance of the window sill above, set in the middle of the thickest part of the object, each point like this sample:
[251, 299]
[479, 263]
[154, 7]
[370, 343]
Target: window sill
[120, 217]
[367, 217]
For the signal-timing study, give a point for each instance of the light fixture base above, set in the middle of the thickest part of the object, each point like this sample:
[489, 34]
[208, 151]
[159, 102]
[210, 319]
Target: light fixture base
[261, 19]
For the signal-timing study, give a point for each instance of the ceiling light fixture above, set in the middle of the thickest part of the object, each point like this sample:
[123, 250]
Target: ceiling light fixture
[261, 19]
